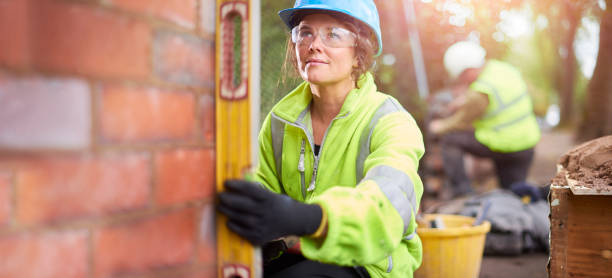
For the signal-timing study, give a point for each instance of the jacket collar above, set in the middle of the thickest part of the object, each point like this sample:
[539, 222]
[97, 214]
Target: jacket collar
[297, 101]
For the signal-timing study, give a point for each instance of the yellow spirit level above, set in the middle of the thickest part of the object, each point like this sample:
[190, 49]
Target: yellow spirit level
[236, 257]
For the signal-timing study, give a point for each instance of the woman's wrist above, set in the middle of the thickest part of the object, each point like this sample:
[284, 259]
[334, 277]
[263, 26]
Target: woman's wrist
[322, 230]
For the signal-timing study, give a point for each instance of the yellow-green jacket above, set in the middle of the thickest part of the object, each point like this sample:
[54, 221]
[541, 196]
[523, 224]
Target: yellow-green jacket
[509, 124]
[365, 177]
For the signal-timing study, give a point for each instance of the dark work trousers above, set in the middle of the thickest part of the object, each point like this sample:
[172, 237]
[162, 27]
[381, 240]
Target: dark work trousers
[296, 266]
[510, 167]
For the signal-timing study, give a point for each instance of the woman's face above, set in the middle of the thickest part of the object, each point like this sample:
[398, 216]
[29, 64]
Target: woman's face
[324, 53]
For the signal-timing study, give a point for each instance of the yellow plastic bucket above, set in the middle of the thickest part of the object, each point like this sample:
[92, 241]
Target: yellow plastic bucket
[454, 251]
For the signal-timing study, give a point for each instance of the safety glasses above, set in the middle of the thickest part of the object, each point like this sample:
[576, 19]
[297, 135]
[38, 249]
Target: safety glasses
[335, 37]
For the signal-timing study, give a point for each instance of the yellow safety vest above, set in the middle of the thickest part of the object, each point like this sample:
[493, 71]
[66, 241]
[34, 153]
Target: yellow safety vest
[509, 124]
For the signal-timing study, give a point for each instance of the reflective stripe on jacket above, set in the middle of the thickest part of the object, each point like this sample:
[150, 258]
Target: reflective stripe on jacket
[365, 177]
[509, 124]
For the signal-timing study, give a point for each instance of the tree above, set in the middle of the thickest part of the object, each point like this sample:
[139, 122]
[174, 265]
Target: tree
[597, 120]
[567, 73]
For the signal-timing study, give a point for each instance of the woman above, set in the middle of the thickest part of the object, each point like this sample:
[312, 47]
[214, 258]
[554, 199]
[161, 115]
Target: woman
[339, 158]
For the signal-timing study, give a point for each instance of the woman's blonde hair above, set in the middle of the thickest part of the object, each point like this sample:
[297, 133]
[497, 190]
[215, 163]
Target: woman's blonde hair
[366, 47]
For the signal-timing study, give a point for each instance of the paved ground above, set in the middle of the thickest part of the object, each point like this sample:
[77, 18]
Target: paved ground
[525, 266]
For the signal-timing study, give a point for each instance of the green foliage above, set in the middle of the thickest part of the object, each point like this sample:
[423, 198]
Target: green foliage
[273, 47]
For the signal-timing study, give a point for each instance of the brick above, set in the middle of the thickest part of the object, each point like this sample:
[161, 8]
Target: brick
[5, 198]
[207, 16]
[184, 175]
[166, 240]
[146, 114]
[181, 12]
[207, 248]
[44, 113]
[50, 255]
[207, 117]
[84, 39]
[209, 272]
[183, 59]
[68, 187]
[14, 33]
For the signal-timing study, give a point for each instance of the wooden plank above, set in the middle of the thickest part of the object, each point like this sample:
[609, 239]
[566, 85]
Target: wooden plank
[558, 200]
[236, 257]
[581, 226]
[579, 189]
[589, 244]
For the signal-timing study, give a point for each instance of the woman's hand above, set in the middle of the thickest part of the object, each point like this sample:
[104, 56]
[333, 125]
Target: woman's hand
[259, 215]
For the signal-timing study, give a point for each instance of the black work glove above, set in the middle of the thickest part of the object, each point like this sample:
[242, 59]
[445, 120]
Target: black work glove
[260, 215]
[271, 250]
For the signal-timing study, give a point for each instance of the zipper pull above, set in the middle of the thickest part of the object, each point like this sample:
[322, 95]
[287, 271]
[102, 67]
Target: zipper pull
[301, 167]
[311, 186]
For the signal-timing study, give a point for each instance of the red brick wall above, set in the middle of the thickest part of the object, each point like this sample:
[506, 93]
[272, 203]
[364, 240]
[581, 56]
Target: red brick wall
[107, 138]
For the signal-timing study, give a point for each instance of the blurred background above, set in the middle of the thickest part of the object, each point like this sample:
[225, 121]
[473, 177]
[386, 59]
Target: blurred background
[554, 43]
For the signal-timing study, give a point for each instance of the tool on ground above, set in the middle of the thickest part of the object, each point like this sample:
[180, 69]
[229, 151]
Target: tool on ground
[482, 213]
[437, 223]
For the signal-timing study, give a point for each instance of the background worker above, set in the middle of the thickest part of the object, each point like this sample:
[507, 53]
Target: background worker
[338, 160]
[492, 118]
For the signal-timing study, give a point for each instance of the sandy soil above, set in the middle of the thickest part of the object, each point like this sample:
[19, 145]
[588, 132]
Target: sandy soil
[588, 165]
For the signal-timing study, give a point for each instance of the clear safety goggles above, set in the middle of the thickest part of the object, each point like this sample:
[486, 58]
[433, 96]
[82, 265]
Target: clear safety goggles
[336, 37]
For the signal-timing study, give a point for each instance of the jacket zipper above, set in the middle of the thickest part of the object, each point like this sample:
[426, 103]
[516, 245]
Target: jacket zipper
[312, 185]
[309, 136]
[301, 169]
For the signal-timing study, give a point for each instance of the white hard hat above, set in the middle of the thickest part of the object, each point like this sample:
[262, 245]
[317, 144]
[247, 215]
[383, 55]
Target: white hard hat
[463, 55]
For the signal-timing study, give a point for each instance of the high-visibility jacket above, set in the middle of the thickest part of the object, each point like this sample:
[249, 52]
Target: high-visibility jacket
[509, 124]
[365, 177]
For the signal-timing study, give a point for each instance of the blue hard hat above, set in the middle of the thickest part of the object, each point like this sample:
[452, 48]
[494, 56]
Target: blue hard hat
[363, 10]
